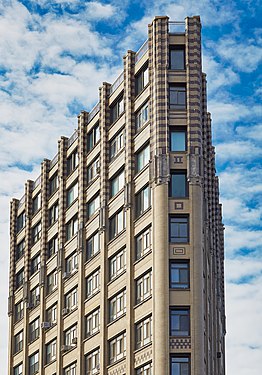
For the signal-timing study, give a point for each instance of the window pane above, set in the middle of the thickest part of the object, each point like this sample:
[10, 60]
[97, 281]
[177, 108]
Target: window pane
[178, 141]
[177, 59]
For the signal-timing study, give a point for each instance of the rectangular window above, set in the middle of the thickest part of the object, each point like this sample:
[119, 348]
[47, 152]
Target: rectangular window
[116, 224]
[71, 194]
[35, 264]
[20, 223]
[141, 116]
[53, 214]
[71, 263]
[19, 311]
[177, 57]
[116, 144]
[93, 137]
[179, 322]
[117, 264]
[93, 170]
[52, 246]
[71, 227]
[117, 348]
[70, 335]
[178, 139]
[179, 229]
[179, 274]
[143, 243]
[36, 203]
[36, 232]
[71, 299]
[53, 184]
[93, 283]
[34, 330]
[145, 370]
[179, 365]
[18, 370]
[177, 96]
[93, 362]
[72, 162]
[18, 342]
[141, 79]
[143, 332]
[142, 158]
[117, 306]
[93, 323]
[33, 364]
[178, 186]
[70, 370]
[50, 350]
[51, 282]
[116, 109]
[19, 278]
[92, 246]
[93, 205]
[142, 201]
[144, 287]
[35, 296]
[117, 183]
[51, 314]
[20, 249]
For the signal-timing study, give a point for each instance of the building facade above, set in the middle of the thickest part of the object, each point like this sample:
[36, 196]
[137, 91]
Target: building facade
[116, 252]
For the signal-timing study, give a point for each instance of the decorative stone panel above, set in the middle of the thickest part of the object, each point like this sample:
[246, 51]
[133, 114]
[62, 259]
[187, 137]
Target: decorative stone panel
[180, 343]
[118, 369]
[143, 356]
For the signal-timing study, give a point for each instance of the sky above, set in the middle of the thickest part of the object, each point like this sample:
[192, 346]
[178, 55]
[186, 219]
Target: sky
[53, 57]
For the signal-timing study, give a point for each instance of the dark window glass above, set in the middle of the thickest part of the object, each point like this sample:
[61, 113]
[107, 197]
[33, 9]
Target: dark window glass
[34, 330]
[178, 229]
[177, 57]
[19, 310]
[179, 274]
[72, 162]
[35, 264]
[71, 227]
[179, 322]
[20, 222]
[178, 141]
[93, 137]
[116, 109]
[142, 158]
[36, 203]
[141, 79]
[53, 184]
[33, 364]
[18, 370]
[177, 97]
[18, 342]
[53, 214]
[116, 224]
[20, 248]
[19, 279]
[92, 246]
[52, 246]
[178, 187]
[142, 201]
[179, 365]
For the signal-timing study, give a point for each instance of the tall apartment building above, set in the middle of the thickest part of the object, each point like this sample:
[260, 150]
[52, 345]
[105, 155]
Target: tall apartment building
[117, 248]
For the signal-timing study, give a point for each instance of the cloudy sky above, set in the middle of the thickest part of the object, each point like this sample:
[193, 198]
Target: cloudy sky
[54, 56]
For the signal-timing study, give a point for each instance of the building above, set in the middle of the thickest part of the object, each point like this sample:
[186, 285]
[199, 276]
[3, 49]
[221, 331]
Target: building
[117, 248]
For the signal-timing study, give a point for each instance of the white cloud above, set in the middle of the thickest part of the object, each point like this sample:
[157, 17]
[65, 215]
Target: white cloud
[237, 239]
[96, 10]
[236, 211]
[254, 132]
[237, 151]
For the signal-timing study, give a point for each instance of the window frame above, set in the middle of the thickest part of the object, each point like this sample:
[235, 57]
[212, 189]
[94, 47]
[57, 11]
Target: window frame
[117, 305]
[141, 79]
[180, 48]
[172, 184]
[36, 203]
[92, 245]
[36, 232]
[53, 184]
[93, 137]
[116, 144]
[70, 334]
[180, 356]
[93, 205]
[93, 169]
[93, 279]
[91, 328]
[144, 238]
[20, 222]
[51, 281]
[18, 341]
[177, 91]
[117, 108]
[142, 200]
[142, 153]
[179, 284]
[141, 284]
[71, 227]
[72, 194]
[34, 329]
[72, 162]
[51, 250]
[19, 312]
[172, 131]
[115, 264]
[92, 358]
[140, 119]
[35, 264]
[53, 213]
[71, 299]
[179, 238]
[117, 224]
[180, 312]
[19, 281]
[50, 357]
[119, 342]
[117, 182]
[33, 368]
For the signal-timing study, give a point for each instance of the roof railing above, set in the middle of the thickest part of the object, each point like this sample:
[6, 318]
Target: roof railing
[54, 161]
[22, 201]
[142, 50]
[178, 27]
[93, 112]
[37, 182]
[117, 83]
[73, 137]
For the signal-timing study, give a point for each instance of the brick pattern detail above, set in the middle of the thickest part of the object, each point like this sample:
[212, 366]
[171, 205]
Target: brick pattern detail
[180, 343]
[118, 371]
[144, 357]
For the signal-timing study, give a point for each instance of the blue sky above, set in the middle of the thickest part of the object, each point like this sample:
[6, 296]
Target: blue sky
[54, 56]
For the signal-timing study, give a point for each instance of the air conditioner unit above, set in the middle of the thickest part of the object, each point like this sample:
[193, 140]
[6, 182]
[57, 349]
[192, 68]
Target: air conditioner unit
[66, 275]
[46, 325]
[65, 311]
[65, 348]
[74, 340]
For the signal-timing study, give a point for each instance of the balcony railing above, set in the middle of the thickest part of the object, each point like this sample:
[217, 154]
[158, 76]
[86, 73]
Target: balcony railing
[93, 112]
[177, 27]
[117, 83]
[72, 138]
[22, 201]
[37, 182]
[54, 161]
[142, 50]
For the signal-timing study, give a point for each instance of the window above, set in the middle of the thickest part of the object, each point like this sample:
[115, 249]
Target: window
[93, 323]
[143, 243]
[179, 365]
[70, 335]
[178, 229]
[178, 186]
[72, 162]
[50, 350]
[20, 249]
[116, 109]
[141, 116]
[117, 183]
[93, 362]
[35, 264]
[51, 282]
[19, 278]
[52, 246]
[51, 314]
[142, 158]
[53, 184]
[116, 144]
[18, 370]
[117, 348]
[117, 306]
[93, 137]
[71, 299]
[33, 364]
[20, 223]
[144, 287]
[71, 228]
[179, 274]
[92, 246]
[177, 57]
[36, 203]
[143, 331]
[179, 322]
[19, 311]
[71, 263]
[18, 342]
[116, 224]
[177, 97]
[93, 170]
[53, 214]
[36, 232]
[142, 200]
[141, 80]
[93, 205]
[93, 283]
[71, 194]
[34, 330]
[145, 370]
[70, 370]
[35, 296]
[117, 264]
[178, 139]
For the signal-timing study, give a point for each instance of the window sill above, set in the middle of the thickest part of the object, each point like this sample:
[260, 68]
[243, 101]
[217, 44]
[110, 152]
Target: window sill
[70, 239]
[36, 212]
[91, 149]
[119, 117]
[142, 91]
[116, 362]
[143, 347]
[93, 216]
[91, 335]
[49, 363]
[93, 295]
[144, 300]
[71, 172]
[142, 214]
[116, 277]
[111, 199]
[52, 194]
[116, 236]
[141, 170]
[143, 256]
[141, 128]
[71, 204]
[18, 351]
[92, 258]
[91, 182]
[116, 319]
[52, 224]
[116, 155]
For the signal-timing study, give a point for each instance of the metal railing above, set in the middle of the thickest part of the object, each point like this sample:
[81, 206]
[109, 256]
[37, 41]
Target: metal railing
[73, 137]
[176, 27]
[93, 112]
[117, 83]
[37, 182]
[22, 201]
[54, 161]
[142, 50]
